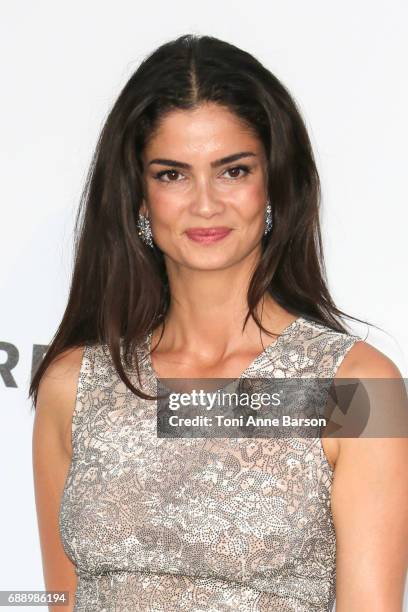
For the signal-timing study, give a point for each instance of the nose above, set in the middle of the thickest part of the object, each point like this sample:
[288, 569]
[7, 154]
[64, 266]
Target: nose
[206, 202]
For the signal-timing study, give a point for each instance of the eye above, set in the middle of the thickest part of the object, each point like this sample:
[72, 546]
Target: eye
[169, 173]
[172, 174]
[245, 169]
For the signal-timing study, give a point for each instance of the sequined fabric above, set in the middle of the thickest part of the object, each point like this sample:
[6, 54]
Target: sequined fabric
[198, 525]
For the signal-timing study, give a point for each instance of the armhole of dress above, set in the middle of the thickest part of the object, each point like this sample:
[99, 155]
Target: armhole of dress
[84, 385]
[350, 342]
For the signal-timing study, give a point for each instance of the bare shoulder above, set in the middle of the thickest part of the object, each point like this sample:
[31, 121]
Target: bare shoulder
[361, 361]
[365, 361]
[57, 394]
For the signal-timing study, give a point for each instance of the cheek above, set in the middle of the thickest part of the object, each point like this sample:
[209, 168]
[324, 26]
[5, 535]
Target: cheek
[257, 192]
[251, 202]
[166, 209]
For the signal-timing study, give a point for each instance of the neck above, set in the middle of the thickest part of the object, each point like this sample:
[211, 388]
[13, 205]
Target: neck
[208, 309]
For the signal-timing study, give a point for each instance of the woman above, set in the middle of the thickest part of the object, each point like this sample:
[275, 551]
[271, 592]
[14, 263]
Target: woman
[200, 242]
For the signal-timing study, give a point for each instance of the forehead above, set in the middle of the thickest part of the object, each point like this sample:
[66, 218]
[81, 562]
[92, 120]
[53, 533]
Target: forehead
[207, 129]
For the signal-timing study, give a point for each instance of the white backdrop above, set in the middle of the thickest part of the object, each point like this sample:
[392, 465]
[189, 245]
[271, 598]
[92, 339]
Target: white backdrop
[62, 65]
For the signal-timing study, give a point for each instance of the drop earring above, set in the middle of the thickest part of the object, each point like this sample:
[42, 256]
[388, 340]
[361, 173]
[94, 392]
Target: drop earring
[145, 230]
[268, 218]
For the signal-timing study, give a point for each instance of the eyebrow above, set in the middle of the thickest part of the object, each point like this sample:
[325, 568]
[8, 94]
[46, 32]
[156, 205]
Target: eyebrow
[214, 164]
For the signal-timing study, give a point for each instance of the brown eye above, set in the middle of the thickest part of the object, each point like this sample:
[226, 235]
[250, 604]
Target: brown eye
[169, 173]
[235, 171]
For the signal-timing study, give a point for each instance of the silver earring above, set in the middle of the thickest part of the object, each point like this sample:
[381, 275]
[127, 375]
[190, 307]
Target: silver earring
[268, 218]
[145, 230]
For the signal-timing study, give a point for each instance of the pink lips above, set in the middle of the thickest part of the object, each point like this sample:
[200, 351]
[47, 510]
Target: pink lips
[207, 235]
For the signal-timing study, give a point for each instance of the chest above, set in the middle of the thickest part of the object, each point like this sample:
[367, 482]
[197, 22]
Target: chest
[173, 366]
[153, 503]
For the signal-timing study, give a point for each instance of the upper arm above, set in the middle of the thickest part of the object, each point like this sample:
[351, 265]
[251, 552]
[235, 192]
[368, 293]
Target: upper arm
[51, 448]
[370, 506]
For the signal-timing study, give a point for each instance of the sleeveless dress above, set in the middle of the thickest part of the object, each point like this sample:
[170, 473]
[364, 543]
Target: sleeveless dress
[198, 525]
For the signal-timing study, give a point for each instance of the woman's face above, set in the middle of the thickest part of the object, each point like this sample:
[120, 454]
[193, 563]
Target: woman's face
[190, 185]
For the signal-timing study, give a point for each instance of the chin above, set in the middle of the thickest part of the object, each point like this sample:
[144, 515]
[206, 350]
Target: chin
[209, 263]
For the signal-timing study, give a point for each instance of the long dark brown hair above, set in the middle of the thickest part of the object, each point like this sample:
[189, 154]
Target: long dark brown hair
[119, 289]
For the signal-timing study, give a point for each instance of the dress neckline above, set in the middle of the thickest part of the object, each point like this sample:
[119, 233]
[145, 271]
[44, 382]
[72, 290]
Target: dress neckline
[270, 348]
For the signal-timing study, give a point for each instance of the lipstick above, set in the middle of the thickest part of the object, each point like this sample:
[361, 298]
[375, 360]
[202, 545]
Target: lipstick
[207, 235]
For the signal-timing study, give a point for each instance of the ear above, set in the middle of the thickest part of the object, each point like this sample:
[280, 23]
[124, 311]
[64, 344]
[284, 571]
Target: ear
[143, 209]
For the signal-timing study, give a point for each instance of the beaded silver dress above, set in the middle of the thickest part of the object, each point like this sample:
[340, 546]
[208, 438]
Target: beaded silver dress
[198, 525]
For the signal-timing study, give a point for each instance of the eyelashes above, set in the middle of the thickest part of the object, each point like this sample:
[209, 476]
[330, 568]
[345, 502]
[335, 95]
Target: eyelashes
[244, 168]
